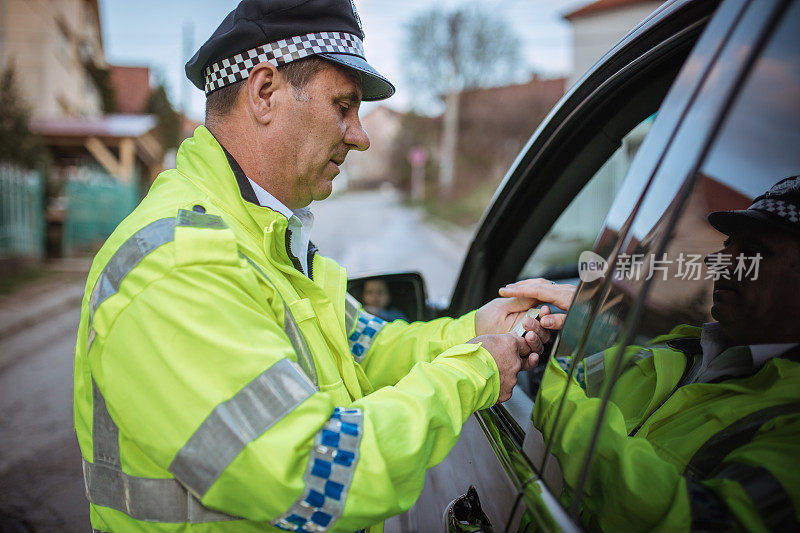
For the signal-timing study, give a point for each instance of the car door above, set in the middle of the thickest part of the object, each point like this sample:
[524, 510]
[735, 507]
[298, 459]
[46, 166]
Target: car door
[577, 158]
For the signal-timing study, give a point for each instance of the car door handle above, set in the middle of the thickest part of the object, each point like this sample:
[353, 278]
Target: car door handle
[464, 514]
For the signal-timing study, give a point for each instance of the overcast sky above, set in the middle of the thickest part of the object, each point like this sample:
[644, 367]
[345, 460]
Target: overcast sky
[151, 33]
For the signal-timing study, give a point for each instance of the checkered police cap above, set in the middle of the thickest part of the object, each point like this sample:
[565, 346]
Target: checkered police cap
[778, 207]
[282, 31]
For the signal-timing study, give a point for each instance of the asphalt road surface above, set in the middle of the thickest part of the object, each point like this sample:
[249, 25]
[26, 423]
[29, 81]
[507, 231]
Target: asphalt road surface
[369, 232]
[41, 485]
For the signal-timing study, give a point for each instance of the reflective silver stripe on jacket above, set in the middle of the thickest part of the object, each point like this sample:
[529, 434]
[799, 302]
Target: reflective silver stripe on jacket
[233, 424]
[329, 473]
[367, 328]
[292, 330]
[125, 259]
[136, 248]
[154, 500]
[149, 499]
[351, 307]
[594, 366]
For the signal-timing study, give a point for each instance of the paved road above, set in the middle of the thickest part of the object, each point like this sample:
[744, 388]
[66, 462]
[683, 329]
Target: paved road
[40, 478]
[40, 473]
[370, 232]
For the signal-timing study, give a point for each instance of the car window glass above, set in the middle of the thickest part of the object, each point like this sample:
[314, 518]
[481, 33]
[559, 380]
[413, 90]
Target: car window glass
[577, 227]
[612, 305]
[697, 284]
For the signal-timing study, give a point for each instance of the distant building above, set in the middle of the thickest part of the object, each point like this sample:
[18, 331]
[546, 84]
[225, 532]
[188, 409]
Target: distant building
[494, 125]
[598, 26]
[373, 167]
[124, 146]
[54, 46]
[56, 49]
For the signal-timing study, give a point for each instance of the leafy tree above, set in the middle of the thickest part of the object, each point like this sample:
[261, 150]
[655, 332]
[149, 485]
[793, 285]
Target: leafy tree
[18, 144]
[451, 51]
[101, 77]
[168, 120]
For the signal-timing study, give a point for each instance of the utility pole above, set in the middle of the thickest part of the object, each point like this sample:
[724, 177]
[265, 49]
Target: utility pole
[3, 43]
[447, 162]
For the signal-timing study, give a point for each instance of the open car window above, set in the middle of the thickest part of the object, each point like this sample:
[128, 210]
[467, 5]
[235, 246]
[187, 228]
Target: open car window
[576, 230]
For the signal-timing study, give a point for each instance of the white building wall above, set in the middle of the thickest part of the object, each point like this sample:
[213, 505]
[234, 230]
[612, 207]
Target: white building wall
[595, 34]
[43, 40]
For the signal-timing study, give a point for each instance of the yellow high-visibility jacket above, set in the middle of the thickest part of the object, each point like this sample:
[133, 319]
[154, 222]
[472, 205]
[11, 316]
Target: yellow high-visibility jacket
[217, 388]
[673, 456]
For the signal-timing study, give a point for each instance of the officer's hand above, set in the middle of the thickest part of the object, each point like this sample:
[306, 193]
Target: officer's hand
[512, 354]
[542, 291]
[502, 314]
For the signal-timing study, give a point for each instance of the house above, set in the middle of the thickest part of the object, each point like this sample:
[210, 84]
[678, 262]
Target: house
[495, 123]
[373, 167]
[598, 26]
[104, 150]
[56, 49]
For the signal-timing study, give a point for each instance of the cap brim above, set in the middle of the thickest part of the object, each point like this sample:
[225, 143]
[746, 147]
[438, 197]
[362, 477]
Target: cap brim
[728, 221]
[374, 86]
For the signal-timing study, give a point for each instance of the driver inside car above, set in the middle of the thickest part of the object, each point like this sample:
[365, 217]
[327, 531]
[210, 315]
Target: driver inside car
[702, 430]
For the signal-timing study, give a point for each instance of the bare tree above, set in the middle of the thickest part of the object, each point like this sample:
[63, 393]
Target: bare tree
[448, 52]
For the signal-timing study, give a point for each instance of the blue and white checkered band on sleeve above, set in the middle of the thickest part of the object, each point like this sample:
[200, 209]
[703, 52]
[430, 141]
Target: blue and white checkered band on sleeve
[580, 374]
[780, 208]
[330, 470]
[367, 327]
[238, 67]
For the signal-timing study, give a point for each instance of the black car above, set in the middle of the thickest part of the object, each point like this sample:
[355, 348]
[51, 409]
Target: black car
[697, 109]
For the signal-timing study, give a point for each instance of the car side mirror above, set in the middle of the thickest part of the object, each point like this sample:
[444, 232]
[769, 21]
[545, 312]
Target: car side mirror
[391, 296]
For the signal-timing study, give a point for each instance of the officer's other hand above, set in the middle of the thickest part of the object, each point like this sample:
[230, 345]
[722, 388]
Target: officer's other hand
[512, 355]
[541, 291]
[502, 314]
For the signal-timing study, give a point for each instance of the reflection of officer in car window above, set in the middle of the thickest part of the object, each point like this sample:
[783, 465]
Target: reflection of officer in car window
[703, 427]
[377, 298]
[756, 320]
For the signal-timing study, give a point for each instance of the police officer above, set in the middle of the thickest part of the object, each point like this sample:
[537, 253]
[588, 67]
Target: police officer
[224, 380]
[702, 429]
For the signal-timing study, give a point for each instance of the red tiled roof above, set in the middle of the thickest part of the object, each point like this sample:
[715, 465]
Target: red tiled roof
[600, 6]
[550, 88]
[131, 88]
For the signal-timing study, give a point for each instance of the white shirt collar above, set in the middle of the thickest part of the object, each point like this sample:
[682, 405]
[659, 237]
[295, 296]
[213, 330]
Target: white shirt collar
[265, 199]
[301, 222]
